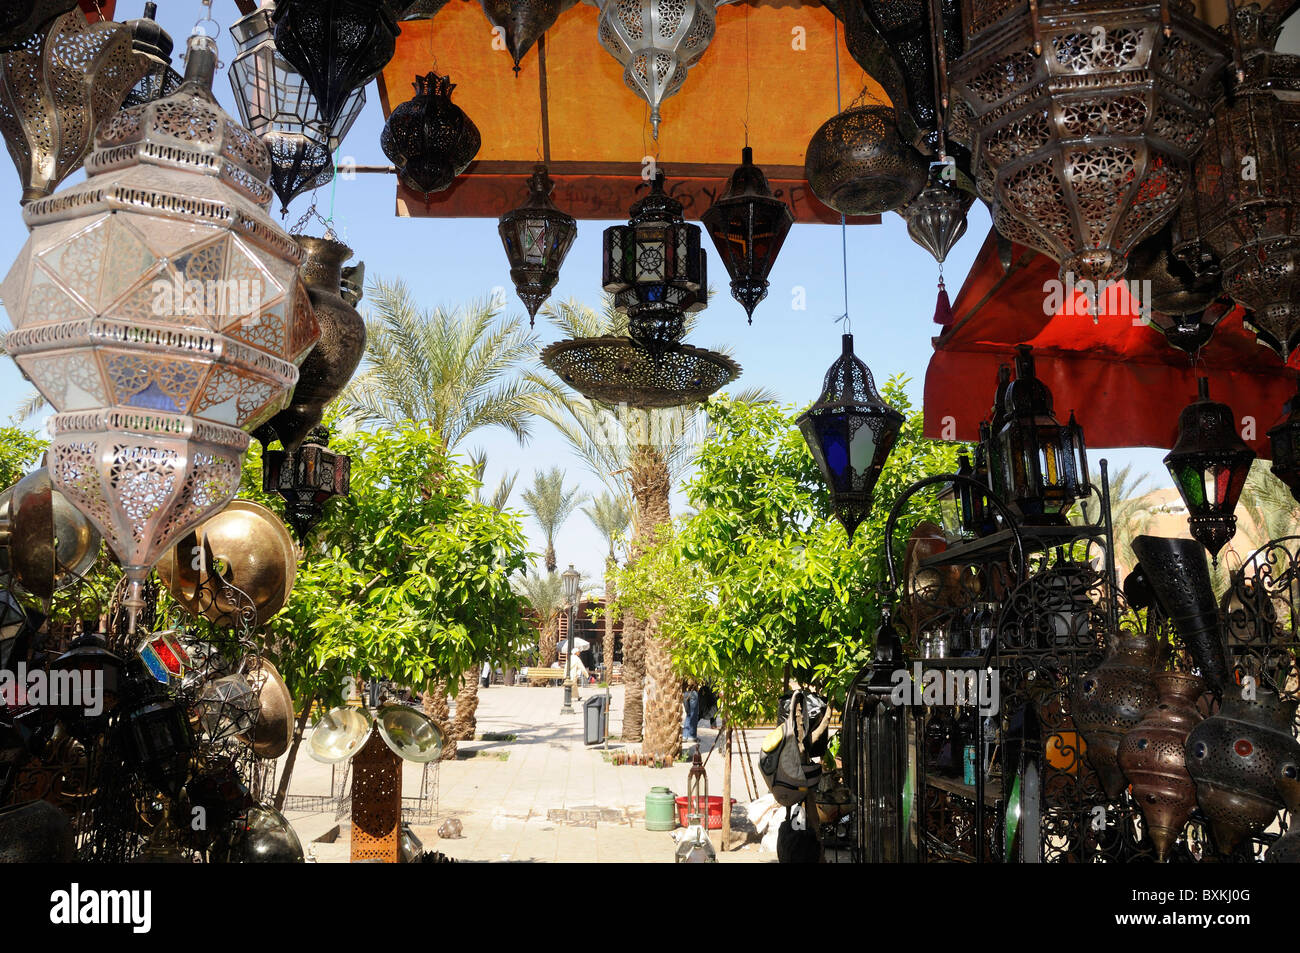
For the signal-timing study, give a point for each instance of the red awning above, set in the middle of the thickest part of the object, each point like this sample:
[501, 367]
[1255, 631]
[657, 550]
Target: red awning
[1121, 378]
[96, 11]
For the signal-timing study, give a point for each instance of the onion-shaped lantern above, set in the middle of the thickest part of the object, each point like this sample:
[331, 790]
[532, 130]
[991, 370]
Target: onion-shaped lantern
[1284, 441]
[657, 42]
[1087, 114]
[337, 46]
[429, 138]
[522, 21]
[153, 47]
[1209, 464]
[537, 236]
[851, 433]
[275, 102]
[859, 165]
[48, 110]
[748, 225]
[1045, 464]
[307, 478]
[159, 310]
[936, 218]
[655, 268]
[19, 19]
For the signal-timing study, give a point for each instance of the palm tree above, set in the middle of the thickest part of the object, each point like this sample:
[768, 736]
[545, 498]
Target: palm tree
[551, 505]
[1129, 517]
[505, 486]
[609, 515]
[545, 593]
[1273, 511]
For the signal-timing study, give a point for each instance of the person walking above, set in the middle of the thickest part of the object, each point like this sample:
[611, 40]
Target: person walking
[691, 711]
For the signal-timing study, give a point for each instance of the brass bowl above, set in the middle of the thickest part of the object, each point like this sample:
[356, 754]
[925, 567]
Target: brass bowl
[339, 735]
[411, 734]
[44, 539]
[274, 732]
[244, 546]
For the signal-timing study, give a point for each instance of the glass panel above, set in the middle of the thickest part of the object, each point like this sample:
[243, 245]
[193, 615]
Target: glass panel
[831, 436]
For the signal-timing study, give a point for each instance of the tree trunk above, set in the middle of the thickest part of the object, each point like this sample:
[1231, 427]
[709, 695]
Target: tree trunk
[633, 674]
[726, 791]
[607, 651]
[464, 724]
[550, 562]
[282, 789]
[436, 707]
[547, 649]
[663, 689]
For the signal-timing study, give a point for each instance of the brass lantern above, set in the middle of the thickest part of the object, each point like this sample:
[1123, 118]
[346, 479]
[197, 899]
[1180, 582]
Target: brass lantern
[307, 478]
[522, 22]
[1045, 464]
[153, 47]
[1209, 464]
[657, 42]
[936, 218]
[1087, 114]
[851, 433]
[655, 268]
[1284, 440]
[429, 138]
[48, 111]
[748, 225]
[858, 164]
[537, 236]
[159, 310]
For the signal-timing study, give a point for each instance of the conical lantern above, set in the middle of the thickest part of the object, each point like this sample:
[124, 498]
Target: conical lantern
[1209, 464]
[19, 19]
[337, 46]
[159, 310]
[429, 138]
[537, 236]
[48, 111]
[657, 42]
[936, 218]
[1284, 440]
[153, 47]
[1110, 700]
[522, 21]
[851, 433]
[748, 225]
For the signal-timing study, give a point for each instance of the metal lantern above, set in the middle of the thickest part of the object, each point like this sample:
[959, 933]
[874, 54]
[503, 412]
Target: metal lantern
[616, 370]
[748, 225]
[657, 42]
[537, 236]
[858, 164]
[1247, 192]
[522, 21]
[936, 218]
[850, 432]
[275, 102]
[55, 88]
[153, 47]
[337, 46]
[307, 478]
[1284, 439]
[1110, 700]
[159, 310]
[19, 19]
[1087, 114]
[158, 741]
[429, 138]
[655, 268]
[1209, 464]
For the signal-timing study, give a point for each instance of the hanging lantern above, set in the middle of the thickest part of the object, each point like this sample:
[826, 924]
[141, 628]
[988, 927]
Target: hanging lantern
[307, 478]
[158, 741]
[1045, 465]
[748, 225]
[1247, 190]
[421, 9]
[1087, 114]
[153, 47]
[537, 236]
[655, 268]
[49, 112]
[158, 309]
[616, 370]
[19, 19]
[429, 138]
[858, 165]
[275, 102]
[850, 432]
[657, 42]
[89, 661]
[522, 22]
[1182, 303]
[337, 46]
[1209, 464]
[1284, 439]
[936, 218]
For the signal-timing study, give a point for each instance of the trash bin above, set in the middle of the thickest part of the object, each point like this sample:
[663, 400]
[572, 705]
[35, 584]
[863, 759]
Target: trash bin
[593, 719]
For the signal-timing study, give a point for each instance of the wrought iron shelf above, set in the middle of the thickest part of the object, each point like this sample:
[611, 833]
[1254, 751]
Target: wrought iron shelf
[1037, 539]
[992, 788]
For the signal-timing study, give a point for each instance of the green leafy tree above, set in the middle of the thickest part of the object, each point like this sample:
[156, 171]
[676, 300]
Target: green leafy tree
[20, 452]
[544, 592]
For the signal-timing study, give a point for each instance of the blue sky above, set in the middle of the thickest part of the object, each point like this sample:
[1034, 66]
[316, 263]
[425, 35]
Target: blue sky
[451, 261]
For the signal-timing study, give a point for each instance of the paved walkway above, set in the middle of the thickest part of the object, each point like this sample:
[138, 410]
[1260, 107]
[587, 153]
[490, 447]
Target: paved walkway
[552, 799]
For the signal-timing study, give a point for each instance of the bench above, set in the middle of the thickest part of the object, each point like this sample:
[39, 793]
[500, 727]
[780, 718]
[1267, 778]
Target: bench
[545, 676]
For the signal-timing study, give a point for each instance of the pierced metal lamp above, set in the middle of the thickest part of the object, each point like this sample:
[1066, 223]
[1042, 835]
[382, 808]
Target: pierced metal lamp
[429, 138]
[537, 236]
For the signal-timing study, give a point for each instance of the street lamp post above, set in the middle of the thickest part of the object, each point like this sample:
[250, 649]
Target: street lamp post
[571, 578]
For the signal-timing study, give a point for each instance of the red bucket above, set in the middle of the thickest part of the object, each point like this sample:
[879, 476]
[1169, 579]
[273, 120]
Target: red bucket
[715, 812]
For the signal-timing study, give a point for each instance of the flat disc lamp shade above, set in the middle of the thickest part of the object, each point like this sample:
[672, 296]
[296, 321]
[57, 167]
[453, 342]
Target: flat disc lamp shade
[851, 433]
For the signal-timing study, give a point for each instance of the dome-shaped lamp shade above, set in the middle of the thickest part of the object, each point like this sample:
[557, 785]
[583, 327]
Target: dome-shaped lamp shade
[851, 433]
[1284, 439]
[748, 225]
[537, 236]
[1209, 464]
[153, 48]
[429, 138]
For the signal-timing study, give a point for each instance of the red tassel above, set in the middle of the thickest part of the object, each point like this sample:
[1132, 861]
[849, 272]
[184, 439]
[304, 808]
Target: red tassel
[942, 308]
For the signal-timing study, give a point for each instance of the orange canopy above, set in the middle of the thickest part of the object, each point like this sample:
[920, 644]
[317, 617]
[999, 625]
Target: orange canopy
[570, 107]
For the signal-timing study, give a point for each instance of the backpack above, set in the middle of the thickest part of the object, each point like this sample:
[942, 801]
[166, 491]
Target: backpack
[790, 772]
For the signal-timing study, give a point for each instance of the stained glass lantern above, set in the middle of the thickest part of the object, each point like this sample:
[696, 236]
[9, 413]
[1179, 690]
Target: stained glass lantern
[965, 510]
[537, 236]
[1087, 114]
[655, 268]
[49, 112]
[19, 19]
[164, 657]
[1045, 464]
[1284, 440]
[851, 433]
[657, 42]
[522, 21]
[153, 47]
[858, 164]
[159, 311]
[275, 102]
[337, 46]
[1209, 464]
[1247, 191]
[429, 138]
[307, 478]
[748, 225]
[227, 707]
